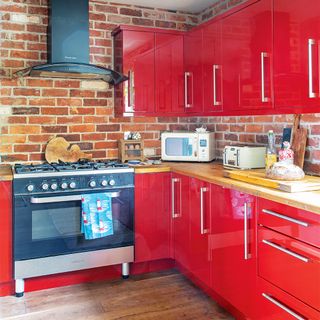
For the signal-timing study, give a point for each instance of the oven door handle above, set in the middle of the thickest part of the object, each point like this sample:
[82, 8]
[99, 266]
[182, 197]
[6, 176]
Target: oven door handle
[76, 197]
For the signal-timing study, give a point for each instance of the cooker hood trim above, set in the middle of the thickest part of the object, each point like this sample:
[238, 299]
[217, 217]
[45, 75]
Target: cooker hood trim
[82, 71]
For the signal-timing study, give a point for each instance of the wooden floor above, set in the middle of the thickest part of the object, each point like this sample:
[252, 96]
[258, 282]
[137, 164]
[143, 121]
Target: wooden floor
[162, 296]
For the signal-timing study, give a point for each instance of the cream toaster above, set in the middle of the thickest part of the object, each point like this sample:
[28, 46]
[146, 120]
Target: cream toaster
[244, 157]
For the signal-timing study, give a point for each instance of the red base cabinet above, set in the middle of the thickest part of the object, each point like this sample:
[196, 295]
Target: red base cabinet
[233, 248]
[6, 238]
[153, 221]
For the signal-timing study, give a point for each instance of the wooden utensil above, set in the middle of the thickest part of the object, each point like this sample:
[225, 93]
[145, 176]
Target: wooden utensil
[59, 149]
[299, 141]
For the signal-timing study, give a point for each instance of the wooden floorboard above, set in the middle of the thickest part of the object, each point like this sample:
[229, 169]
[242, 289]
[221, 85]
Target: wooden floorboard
[157, 296]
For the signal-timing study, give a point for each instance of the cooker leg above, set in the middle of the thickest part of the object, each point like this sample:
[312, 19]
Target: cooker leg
[125, 270]
[19, 288]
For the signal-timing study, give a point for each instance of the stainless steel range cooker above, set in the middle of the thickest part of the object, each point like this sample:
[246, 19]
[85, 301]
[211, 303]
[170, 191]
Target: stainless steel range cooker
[47, 214]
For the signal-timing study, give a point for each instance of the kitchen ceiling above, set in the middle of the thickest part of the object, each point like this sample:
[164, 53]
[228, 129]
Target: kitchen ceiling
[181, 5]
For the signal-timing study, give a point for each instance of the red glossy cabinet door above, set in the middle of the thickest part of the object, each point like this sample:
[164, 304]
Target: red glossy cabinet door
[193, 71]
[200, 222]
[138, 64]
[5, 236]
[246, 56]
[181, 217]
[233, 248]
[169, 82]
[212, 69]
[296, 54]
[152, 216]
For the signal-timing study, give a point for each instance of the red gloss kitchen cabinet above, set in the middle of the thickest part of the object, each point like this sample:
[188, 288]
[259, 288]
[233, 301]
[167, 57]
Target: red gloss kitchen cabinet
[233, 248]
[180, 212]
[134, 56]
[153, 221]
[6, 238]
[296, 55]
[212, 69]
[193, 76]
[200, 222]
[169, 83]
[246, 58]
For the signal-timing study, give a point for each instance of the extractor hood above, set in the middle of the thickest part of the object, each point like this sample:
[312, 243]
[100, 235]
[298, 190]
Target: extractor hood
[68, 46]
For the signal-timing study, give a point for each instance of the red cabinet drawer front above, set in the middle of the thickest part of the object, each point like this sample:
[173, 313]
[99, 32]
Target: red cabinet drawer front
[275, 304]
[291, 265]
[294, 222]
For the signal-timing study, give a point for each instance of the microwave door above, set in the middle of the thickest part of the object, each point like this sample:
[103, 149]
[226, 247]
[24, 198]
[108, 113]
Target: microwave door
[180, 148]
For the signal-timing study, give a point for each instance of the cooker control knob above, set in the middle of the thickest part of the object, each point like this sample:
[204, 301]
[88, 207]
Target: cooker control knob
[112, 182]
[45, 186]
[72, 185]
[92, 183]
[104, 183]
[30, 187]
[64, 185]
[54, 187]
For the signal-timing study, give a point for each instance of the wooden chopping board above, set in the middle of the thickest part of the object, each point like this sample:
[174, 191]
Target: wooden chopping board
[309, 183]
[299, 141]
[59, 149]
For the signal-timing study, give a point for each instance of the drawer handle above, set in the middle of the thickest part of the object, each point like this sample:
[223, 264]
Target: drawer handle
[289, 252]
[283, 307]
[281, 216]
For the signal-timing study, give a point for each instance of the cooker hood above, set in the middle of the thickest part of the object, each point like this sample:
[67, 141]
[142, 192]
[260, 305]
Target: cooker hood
[68, 46]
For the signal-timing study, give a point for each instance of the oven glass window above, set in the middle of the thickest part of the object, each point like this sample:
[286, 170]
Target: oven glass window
[55, 223]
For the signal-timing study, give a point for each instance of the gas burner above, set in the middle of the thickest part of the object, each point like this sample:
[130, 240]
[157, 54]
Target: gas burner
[34, 168]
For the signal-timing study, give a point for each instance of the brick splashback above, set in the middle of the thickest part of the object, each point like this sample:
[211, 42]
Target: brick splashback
[34, 110]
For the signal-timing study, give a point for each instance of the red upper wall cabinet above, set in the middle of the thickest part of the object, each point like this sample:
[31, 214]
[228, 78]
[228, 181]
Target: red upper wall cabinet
[296, 54]
[153, 61]
[212, 71]
[169, 73]
[246, 58]
[193, 64]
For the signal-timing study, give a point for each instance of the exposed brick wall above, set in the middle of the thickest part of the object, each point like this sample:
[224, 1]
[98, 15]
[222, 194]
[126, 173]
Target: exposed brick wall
[33, 110]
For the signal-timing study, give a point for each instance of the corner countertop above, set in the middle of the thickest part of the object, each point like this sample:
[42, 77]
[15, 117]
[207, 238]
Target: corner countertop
[213, 173]
[5, 173]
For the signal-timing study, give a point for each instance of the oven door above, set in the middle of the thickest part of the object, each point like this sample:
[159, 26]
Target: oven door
[50, 225]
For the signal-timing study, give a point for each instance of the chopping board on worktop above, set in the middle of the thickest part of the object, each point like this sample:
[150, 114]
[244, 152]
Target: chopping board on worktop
[257, 176]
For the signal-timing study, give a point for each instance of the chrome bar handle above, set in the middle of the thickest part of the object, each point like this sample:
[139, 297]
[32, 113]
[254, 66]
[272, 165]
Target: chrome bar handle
[281, 216]
[245, 232]
[173, 214]
[263, 94]
[214, 72]
[76, 197]
[311, 43]
[202, 228]
[289, 252]
[186, 76]
[283, 307]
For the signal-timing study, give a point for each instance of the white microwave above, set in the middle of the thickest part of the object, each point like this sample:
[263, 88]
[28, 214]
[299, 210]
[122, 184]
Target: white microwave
[188, 146]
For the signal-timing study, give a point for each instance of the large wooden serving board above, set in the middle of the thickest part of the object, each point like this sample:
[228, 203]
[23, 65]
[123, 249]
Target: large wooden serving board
[309, 183]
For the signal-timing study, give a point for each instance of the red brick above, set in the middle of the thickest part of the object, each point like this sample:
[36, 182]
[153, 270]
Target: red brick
[13, 44]
[54, 129]
[152, 143]
[24, 55]
[82, 128]
[17, 157]
[73, 102]
[254, 128]
[27, 148]
[42, 102]
[143, 22]
[231, 136]
[97, 16]
[70, 137]
[27, 37]
[85, 145]
[248, 138]
[108, 128]
[13, 101]
[54, 111]
[24, 129]
[114, 136]
[12, 26]
[69, 119]
[105, 111]
[67, 84]
[40, 138]
[82, 93]
[222, 127]
[165, 24]
[39, 82]
[95, 102]
[93, 136]
[99, 154]
[54, 92]
[237, 127]
[131, 12]
[105, 144]
[41, 120]
[82, 110]
[13, 63]
[26, 92]
[106, 8]
[37, 46]
[36, 28]
[13, 8]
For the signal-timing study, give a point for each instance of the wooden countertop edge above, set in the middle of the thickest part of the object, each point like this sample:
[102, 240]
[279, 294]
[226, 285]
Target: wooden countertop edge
[215, 176]
[6, 173]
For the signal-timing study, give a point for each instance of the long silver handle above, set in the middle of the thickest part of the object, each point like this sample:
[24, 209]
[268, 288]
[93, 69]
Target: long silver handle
[263, 94]
[283, 307]
[214, 72]
[202, 228]
[281, 216]
[76, 197]
[245, 232]
[311, 43]
[186, 103]
[289, 252]
[173, 214]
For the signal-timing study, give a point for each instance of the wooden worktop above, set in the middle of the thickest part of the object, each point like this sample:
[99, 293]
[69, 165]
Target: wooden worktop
[213, 172]
[5, 173]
